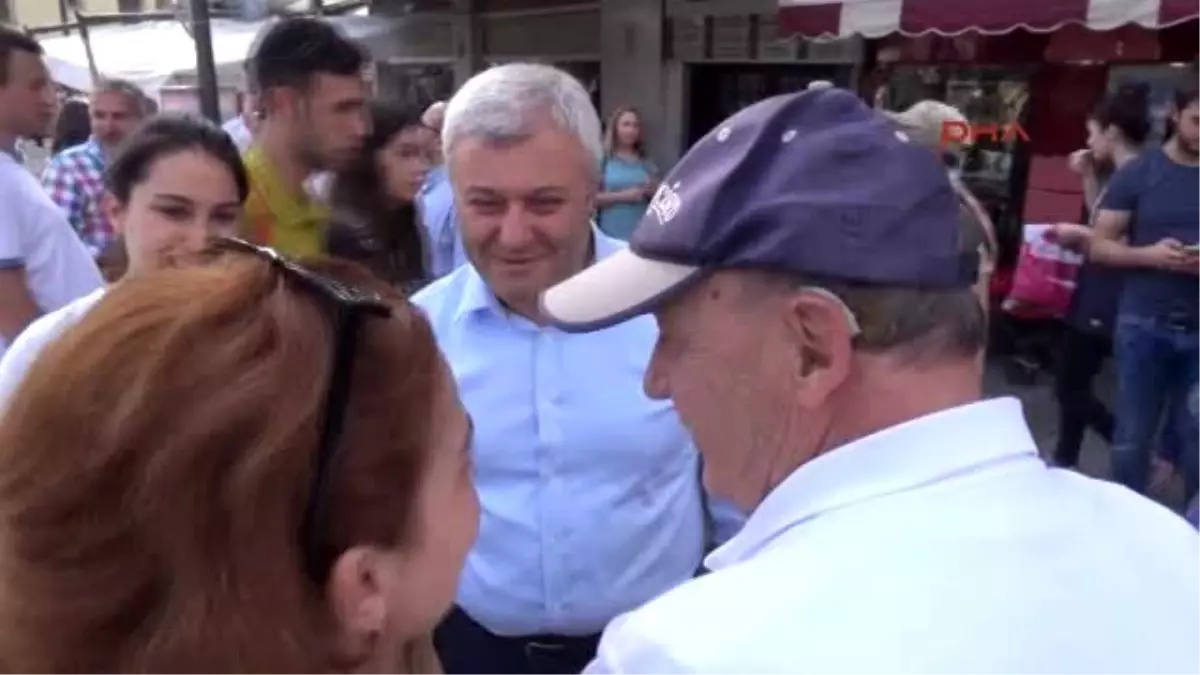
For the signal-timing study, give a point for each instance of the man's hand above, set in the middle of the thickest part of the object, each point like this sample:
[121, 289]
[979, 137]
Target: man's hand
[1193, 264]
[17, 308]
[1171, 255]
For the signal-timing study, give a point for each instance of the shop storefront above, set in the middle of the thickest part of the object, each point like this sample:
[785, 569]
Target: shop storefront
[563, 33]
[994, 165]
[731, 60]
[1028, 64]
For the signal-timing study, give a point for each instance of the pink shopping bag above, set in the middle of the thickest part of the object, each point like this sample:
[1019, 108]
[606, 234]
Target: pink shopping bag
[1045, 278]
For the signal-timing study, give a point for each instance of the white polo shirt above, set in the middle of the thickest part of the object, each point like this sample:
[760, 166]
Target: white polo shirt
[942, 545]
[35, 237]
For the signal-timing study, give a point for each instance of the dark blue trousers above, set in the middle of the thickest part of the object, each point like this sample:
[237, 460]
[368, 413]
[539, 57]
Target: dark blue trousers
[465, 647]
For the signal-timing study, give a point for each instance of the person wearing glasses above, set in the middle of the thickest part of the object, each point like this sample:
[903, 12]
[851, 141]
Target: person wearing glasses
[591, 494]
[177, 183]
[239, 466]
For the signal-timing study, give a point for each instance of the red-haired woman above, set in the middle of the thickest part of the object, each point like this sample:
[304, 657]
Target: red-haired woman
[243, 466]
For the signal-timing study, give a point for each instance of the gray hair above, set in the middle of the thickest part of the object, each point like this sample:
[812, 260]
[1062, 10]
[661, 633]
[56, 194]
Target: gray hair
[919, 325]
[502, 103]
[133, 94]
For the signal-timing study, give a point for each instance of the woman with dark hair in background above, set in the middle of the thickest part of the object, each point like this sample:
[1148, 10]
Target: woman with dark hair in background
[176, 183]
[72, 126]
[374, 218]
[1116, 130]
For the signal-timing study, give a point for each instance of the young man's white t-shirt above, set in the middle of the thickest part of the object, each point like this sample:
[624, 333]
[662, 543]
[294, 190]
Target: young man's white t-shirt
[30, 343]
[35, 236]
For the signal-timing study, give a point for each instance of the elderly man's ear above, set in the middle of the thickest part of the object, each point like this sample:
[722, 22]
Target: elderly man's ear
[822, 337]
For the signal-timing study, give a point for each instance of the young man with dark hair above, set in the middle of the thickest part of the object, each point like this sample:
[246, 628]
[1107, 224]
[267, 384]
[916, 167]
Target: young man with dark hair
[43, 265]
[312, 117]
[1147, 225]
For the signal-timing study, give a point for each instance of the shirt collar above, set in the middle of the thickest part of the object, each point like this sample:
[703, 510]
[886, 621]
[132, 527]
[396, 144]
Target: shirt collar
[910, 455]
[92, 146]
[282, 201]
[476, 296]
[433, 178]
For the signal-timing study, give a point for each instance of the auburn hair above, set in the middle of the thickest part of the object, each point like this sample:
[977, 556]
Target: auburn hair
[158, 458]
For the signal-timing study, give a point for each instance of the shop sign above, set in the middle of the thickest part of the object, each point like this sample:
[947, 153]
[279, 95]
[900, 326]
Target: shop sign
[969, 133]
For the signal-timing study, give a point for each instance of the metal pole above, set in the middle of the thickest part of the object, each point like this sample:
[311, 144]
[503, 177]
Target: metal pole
[206, 69]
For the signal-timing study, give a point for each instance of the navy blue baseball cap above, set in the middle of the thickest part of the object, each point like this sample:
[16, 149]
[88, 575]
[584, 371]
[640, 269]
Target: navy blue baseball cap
[815, 183]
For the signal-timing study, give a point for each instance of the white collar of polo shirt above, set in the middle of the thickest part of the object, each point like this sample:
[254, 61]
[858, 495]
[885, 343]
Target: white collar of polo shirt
[919, 452]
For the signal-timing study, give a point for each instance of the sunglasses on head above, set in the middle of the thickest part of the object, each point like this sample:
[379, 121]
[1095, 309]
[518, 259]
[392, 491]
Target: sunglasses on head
[350, 306]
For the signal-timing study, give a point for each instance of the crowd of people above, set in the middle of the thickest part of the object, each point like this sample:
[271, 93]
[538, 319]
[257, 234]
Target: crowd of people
[355, 386]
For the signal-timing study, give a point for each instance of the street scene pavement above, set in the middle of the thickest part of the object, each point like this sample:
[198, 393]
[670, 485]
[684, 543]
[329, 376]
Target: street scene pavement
[1041, 410]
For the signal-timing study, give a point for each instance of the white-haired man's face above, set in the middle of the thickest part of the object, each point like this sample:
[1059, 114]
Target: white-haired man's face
[524, 209]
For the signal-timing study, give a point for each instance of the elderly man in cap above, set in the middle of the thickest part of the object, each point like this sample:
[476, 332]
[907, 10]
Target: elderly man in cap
[819, 338]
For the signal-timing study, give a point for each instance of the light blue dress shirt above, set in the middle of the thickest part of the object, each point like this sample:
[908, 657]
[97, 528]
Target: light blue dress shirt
[441, 223]
[590, 491]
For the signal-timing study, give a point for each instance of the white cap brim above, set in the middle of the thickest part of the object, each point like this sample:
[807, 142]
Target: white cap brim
[615, 289]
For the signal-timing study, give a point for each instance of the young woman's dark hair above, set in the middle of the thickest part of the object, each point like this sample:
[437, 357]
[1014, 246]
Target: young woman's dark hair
[73, 125]
[168, 134]
[1127, 109]
[158, 137]
[363, 210]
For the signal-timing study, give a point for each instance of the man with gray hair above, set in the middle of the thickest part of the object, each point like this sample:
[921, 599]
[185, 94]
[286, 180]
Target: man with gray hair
[821, 341]
[438, 213]
[74, 178]
[590, 491]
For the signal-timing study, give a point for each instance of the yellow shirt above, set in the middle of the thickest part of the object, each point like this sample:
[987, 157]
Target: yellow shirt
[293, 224]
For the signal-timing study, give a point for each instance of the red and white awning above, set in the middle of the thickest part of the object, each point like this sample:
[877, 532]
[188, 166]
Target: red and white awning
[876, 18]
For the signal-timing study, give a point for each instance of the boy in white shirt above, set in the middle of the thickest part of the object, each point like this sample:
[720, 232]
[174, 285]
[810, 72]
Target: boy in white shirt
[43, 264]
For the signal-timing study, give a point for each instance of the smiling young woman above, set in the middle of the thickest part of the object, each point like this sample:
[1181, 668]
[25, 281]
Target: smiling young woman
[176, 184]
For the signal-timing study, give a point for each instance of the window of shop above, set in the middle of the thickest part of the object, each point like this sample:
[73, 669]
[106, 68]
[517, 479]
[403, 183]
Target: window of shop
[720, 90]
[993, 167]
[418, 84]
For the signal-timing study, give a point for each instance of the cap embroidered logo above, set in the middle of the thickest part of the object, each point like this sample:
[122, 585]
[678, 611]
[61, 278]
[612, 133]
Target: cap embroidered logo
[666, 203]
